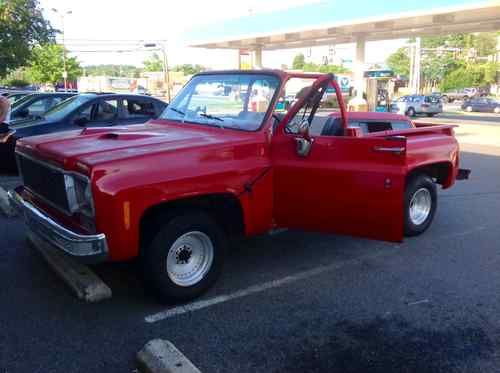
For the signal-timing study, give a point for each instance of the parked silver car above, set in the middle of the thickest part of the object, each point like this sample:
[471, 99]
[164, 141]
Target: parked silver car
[414, 105]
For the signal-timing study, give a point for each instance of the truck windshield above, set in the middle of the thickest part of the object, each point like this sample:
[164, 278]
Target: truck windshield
[238, 101]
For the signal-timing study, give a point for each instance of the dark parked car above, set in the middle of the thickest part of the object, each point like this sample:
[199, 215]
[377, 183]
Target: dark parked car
[482, 104]
[35, 104]
[77, 112]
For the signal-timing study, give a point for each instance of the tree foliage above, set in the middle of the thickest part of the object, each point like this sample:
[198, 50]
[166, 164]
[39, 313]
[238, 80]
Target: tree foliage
[125, 71]
[399, 62]
[47, 66]
[153, 63]
[452, 69]
[335, 69]
[22, 26]
[298, 62]
[189, 69]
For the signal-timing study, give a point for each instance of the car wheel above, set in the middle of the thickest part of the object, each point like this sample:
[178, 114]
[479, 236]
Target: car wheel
[430, 115]
[497, 110]
[185, 257]
[411, 112]
[420, 204]
[445, 99]
[468, 109]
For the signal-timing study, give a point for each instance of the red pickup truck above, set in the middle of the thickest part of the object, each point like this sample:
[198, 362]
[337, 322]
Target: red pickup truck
[223, 160]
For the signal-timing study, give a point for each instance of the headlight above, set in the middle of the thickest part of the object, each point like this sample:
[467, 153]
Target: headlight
[79, 193]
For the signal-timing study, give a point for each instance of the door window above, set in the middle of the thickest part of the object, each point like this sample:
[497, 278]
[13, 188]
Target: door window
[107, 111]
[138, 109]
[104, 111]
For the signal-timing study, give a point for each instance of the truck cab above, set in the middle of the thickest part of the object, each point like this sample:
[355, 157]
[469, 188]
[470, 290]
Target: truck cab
[229, 162]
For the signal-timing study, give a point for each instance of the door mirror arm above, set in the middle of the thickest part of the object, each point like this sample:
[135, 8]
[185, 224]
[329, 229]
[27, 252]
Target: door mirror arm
[303, 129]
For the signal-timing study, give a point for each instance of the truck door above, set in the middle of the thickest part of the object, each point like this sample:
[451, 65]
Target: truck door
[345, 183]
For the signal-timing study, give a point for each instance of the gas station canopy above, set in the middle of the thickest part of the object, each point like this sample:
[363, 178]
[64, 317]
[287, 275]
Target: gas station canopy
[340, 21]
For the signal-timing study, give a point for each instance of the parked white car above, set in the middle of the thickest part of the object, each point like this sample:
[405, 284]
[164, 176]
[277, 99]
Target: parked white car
[414, 105]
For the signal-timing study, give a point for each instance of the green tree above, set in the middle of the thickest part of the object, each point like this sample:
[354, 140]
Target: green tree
[298, 62]
[335, 69]
[22, 26]
[47, 66]
[399, 62]
[126, 71]
[153, 63]
[189, 69]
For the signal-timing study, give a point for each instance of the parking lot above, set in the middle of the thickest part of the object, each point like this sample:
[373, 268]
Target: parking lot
[291, 302]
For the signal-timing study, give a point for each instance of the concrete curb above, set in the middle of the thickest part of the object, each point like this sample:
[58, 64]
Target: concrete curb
[161, 356]
[5, 206]
[80, 278]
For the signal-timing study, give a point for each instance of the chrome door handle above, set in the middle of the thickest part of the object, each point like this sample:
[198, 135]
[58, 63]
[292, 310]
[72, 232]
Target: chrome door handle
[394, 150]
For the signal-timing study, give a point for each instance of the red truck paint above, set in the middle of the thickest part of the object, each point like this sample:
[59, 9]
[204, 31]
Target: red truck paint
[345, 185]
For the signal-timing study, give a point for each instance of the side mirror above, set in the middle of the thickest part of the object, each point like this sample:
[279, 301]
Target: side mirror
[81, 121]
[303, 146]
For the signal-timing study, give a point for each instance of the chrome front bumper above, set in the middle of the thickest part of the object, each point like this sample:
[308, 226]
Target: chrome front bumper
[87, 248]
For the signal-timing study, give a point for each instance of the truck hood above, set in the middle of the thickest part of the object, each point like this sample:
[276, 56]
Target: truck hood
[93, 146]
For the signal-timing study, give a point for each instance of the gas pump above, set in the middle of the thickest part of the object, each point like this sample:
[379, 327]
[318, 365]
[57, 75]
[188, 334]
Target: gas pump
[379, 89]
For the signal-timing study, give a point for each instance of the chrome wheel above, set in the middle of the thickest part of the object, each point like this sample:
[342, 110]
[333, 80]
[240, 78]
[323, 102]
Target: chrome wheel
[189, 258]
[420, 206]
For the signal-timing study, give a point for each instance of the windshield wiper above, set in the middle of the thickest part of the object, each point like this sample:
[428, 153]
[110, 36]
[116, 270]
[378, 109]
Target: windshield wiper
[209, 116]
[177, 111]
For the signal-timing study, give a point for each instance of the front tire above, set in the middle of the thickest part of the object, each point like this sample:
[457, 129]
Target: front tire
[420, 204]
[468, 109]
[185, 257]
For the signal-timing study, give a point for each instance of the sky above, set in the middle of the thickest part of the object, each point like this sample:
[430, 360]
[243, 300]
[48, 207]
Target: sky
[122, 24]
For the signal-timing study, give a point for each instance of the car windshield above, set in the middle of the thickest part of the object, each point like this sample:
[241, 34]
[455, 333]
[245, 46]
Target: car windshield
[237, 101]
[62, 109]
[23, 100]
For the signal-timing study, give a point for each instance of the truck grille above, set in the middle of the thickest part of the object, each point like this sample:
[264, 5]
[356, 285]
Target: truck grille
[44, 181]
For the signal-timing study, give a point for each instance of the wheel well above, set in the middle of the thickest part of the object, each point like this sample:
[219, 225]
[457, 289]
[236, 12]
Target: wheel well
[224, 208]
[441, 172]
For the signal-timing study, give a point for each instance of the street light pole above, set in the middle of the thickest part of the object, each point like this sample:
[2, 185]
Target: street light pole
[65, 71]
[166, 75]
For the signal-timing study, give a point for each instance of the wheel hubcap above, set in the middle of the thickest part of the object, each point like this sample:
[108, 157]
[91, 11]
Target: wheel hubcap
[420, 206]
[190, 258]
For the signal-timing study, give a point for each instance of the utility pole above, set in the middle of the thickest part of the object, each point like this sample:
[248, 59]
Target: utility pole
[65, 71]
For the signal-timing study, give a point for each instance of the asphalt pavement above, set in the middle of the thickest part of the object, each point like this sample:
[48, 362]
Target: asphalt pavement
[292, 302]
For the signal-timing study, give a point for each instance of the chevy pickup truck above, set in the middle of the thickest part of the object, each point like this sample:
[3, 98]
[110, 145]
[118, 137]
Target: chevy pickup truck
[222, 163]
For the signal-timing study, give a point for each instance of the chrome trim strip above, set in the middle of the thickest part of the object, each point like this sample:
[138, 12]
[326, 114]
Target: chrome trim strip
[396, 150]
[58, 235]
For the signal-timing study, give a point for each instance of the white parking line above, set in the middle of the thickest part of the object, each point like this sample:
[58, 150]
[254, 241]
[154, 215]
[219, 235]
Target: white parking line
[198, 305]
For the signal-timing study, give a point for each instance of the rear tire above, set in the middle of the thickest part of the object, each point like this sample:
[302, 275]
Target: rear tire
[185, 257]
[445, 99]
[411, 112]
[420, 204]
